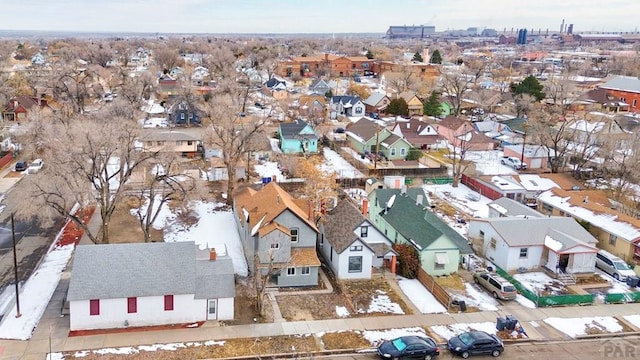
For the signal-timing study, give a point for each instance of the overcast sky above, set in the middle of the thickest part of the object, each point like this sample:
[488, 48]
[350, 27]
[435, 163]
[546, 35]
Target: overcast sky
[305, 16]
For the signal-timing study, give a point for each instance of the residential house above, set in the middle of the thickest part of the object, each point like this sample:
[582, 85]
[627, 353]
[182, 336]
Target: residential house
[19, 108]
[183, 113]
[334, 65]
[347, 106]
[505, 207]
[149, 284]
[168, 86]
[460, 133]
[413, 101]
[601, 99]
[278, 235]
[297, 137]
[367, 136]
[312, 106]
[276, 88]
[163, 140]
[422, 70]
[535, 156]
[559, 244]
[351, 245]
[322, 86]
[405, 217]
[200, 76]
[617, 233]
[177, 72]
[626, 89]
[496, 186]
[594, 134]
[420, 134]
[376, 103]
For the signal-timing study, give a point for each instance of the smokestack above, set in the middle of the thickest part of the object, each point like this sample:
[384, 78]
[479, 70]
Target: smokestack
[365, 207]
[212, 254]
[562, 26]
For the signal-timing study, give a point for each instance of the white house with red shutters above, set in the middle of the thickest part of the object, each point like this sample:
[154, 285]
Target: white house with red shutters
[149, 284]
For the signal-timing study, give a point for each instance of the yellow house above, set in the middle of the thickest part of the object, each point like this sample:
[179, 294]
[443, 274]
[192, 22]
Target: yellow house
[414, 102]
[176, 141]
[617, 233]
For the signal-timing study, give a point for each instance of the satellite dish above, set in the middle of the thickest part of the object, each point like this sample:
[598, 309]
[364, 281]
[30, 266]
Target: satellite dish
[391, 200]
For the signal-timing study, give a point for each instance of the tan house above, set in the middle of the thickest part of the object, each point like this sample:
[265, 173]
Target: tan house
[413, 101]
[617, 233]
[462, 133]
[181, 142]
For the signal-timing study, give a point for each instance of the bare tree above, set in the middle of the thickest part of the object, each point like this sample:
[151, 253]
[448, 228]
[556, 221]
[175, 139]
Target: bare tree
[554, 133]
[319, 188]
[73, 87]
[454, 83]
[87, 162]
[231, 132]
[458, 153]
[166, 58]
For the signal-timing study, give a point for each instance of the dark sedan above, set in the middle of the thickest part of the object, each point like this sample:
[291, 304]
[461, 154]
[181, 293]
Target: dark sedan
[475, 343]
[409, 347]
[21, 166]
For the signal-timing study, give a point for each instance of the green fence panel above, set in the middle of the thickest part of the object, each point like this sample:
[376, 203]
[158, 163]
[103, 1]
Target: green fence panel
[565, 300]
[437, 181]
[408, 181]
[622, 297]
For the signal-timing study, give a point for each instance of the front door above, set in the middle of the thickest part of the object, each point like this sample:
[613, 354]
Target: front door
[563, 263]
[212, 309]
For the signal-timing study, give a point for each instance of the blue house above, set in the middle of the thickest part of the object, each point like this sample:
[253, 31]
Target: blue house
[183, 114]
[298, 137]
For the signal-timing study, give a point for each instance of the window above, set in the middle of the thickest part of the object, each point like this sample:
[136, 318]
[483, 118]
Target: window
[441, 260]
[403, 151]
[160, 143]
[132, 305]
[524, 252]
[275, 246]
[168, 303]
[358, 110]
[612, 239]
[94, 307]
[492, 243]
[294, 234]
[305, 270]
[321, 239]
[561, 213]
[635, 102]
[291, 271]
[393, 152]
[546, 208]
[364, 231]
[355, 264]
[482, 234]
[356, 248]
[190, 143]
[365, 65]
[181, 116]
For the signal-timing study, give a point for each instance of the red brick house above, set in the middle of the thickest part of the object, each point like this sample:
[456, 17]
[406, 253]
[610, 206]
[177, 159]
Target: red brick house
[20, 106]
[626, 89]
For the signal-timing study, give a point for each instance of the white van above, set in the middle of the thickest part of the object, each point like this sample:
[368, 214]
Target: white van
[614, 266]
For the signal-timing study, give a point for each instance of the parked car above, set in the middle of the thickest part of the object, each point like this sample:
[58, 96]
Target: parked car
[21, 166]
[374, 115]
[259, 105]
[513, 162]
[339, 130]
[614, 266]
[475, 343]
[35, 166]
[409, 347]
[498, 286]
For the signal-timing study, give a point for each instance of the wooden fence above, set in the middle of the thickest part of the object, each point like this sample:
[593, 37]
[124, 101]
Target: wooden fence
[438, 291]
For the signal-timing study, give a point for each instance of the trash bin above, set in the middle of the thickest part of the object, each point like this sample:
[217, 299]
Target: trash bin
[511, 322]
[463, 305]
[500, 324]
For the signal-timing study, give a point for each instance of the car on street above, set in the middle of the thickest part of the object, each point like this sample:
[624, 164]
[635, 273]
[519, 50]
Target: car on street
[409, 347]
[21, 166]
[513, 162]
[614, 266]
[475, 343]
[497, 286]
[35, 166]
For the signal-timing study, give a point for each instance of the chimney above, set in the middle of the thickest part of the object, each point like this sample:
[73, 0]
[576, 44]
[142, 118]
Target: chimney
[212, 254]
[419, 199]
[365, 207]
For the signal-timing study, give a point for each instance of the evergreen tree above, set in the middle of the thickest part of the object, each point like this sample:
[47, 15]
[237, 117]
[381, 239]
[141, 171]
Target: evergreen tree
[417, 57]
[328, 94]
[431, 106]
[414, 154]
[398, 106]
[530, 85]
[369, 54]
[436, 58]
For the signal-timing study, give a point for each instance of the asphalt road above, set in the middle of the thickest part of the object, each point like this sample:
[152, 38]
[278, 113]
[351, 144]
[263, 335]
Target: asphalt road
[592, 349]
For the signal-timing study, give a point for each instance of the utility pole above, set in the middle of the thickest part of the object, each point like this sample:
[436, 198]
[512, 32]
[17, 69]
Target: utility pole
[15, 268]
[524, 141]
[375, 156]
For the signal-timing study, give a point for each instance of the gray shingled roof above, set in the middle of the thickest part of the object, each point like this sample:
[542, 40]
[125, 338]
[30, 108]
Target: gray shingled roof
[136, 270]
[341, 222]
[214, 279]
[517, 231]
[291, 130]
[515, 208]
[624, 83]
[374, 98]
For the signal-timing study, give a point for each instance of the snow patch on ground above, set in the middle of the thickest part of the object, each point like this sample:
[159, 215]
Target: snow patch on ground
[525, 302]
[538, 282]
[381, 303]
[446, 332]
[342, 311]
[478, 298]
[334, 163]
[633, 319]
[375, 337]
[579, 326]
[269, 169]
[129, 350]
[424, 301]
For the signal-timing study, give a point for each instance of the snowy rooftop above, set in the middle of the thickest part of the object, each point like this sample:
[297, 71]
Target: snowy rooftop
[505, 183]
[536, 183]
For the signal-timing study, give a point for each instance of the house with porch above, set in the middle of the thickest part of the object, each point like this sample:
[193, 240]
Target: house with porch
[278, 235]
[420, 134]
[404, 216]
[461, 133]
[347, 106]
[162, 140]
[352, 245]
[616, 233]
[367, 136]
[19, 108]
[413, 102]
[626, 89]
[297, 137]
[377, 102]
[149, 284]
[558, 244]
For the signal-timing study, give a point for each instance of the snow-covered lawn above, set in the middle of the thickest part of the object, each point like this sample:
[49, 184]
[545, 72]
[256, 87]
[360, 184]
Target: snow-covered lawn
[459, 198]
[381, 303]
[525, 302]
[420, 296]
[478, 298]
[582, 326]
[376, 336]
[634, 320]
[334, 163]
[269, 169]
[446, 332]
[35, 294]
[129, 350]
[539, 282]
[215, 228]
[617, 287]
[342, 311]
[488, 162]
